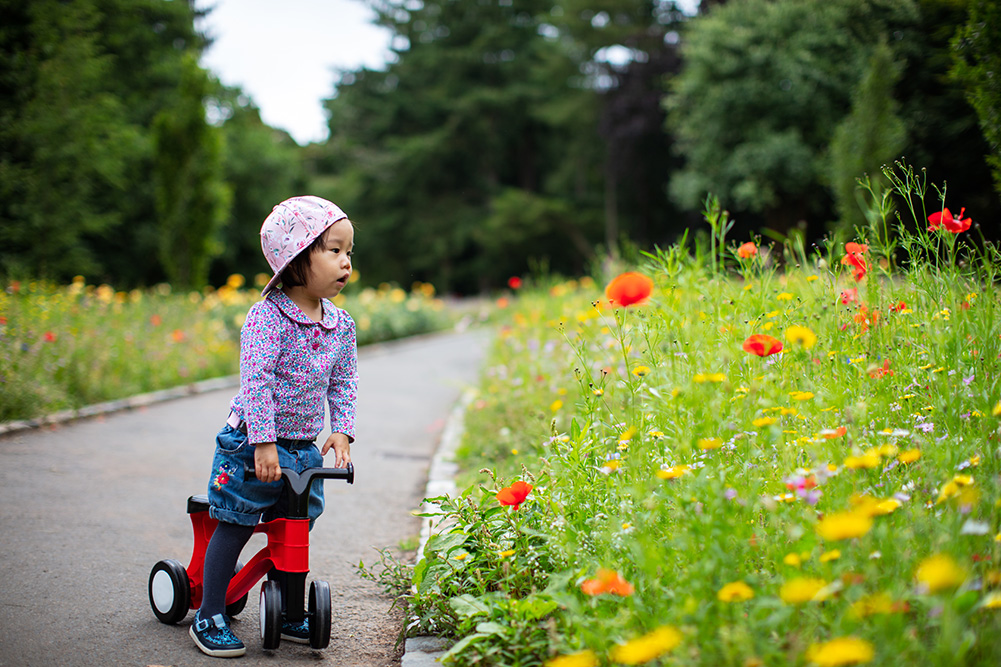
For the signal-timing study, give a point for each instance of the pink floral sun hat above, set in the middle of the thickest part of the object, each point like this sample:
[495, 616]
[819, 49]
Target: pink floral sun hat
[291, 227]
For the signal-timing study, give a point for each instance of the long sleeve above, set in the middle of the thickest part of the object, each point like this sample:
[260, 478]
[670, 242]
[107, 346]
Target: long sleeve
[342, 392]
[260, 350]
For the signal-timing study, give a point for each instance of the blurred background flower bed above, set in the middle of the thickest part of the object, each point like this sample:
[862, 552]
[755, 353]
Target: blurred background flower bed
[715, 462]
[66, 346]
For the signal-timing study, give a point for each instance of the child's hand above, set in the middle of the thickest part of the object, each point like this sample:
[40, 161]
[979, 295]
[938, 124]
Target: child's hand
[342, 449]
[266, 465]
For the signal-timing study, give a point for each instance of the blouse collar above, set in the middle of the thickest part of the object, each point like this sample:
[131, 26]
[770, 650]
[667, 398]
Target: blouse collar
[331, 314]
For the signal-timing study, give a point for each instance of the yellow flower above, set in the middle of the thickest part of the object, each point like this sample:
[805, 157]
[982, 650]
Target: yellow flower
[640, 371]
[844, 525]
[801, 395]
[736, 591]
[461, 556]
[868, 460]
[710, 443]
[793, 560]
[910, 456]
[784, 296]
[801, 336]
[802, 589]
[840, 651]
[673, 472]
[505, 554]
[997, 410]
[877, 603]
[556, 405]
[702, 378]
[585, 658]
[828, 556]
[648, 647]
[627, 434]
[955, 487]
[763, 421]
[938, 573]
[810, 279]
[992, 601]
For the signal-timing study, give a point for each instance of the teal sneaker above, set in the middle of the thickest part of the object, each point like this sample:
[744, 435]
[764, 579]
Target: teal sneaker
[296, 632]
[214, 637]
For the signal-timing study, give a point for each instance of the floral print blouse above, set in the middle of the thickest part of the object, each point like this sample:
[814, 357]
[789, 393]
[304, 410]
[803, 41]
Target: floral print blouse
[290, 364]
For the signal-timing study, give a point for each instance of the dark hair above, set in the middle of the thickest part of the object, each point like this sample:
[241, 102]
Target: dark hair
[297, 271]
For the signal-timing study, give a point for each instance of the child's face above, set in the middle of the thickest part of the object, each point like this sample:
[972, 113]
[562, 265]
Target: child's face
[330, 265]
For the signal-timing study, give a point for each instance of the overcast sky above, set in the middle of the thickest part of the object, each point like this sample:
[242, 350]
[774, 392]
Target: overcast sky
[283, 53]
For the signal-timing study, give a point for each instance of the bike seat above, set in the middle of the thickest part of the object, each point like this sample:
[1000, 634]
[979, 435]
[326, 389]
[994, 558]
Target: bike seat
[198, 504]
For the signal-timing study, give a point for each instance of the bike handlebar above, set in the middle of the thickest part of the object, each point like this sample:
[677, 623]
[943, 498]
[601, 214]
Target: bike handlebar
[299, 482]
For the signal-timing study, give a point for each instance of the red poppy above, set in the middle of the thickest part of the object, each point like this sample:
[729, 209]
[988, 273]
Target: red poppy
[944, 218]
[515, 494]
[156, 320]
[629, 289]
[514, 282]
[762, 345]
[747, 250]
[849, 295]
[855, 257]
[50, 337]
[607, 581]
[898, 307]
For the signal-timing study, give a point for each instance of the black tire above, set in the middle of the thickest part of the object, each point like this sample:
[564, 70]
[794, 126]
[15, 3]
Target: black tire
[234, 608]
[271, 615]
[169, 591]
[319, 614]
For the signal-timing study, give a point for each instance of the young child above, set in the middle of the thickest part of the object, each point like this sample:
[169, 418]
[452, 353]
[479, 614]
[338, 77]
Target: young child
[297, 350]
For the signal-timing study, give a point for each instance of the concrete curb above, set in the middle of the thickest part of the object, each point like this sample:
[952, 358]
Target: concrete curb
[425, 651]
[130, 403]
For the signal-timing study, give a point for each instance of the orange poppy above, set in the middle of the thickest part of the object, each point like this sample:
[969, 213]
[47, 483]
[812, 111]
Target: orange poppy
[762, 345]
[515, 494]
[629, 289]
[747, 250]
[607, 581]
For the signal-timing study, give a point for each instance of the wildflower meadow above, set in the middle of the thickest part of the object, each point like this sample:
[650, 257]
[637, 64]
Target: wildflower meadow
[64, 347]
[735, 454]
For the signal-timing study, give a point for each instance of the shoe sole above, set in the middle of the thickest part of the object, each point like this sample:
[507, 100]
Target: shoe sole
[216, 652]
[293, 638]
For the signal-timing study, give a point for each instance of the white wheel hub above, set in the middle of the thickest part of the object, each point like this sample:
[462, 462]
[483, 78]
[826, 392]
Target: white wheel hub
[163, 591]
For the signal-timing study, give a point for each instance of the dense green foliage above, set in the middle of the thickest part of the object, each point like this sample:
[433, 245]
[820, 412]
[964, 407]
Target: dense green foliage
[977, 50]
[505, 137]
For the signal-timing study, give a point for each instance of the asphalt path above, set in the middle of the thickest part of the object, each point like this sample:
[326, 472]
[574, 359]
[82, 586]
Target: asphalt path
[87, 508]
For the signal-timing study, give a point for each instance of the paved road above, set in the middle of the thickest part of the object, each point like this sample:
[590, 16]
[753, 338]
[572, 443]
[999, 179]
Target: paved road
[86, 509]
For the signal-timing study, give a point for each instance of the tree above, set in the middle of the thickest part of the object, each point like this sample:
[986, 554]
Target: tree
[763, 86]
[425, 148]
[192, 198]
[262, 166]
[871, 135]
[63, 139]
[977, 66]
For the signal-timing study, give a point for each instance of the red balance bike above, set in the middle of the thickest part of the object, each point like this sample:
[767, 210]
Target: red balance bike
[174, 589]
